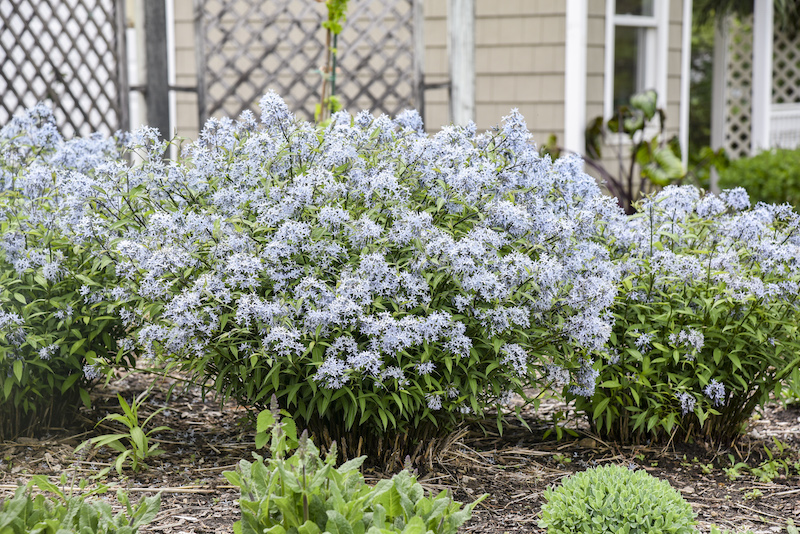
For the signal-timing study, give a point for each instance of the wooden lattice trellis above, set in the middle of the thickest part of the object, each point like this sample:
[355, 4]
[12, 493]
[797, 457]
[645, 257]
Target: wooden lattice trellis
[246, 47]
[68, 52]
[786, 69]
[785, 117]
[738, 87]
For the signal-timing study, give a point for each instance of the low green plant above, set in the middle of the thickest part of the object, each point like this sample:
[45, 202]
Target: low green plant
[776, 461]
[64, 512]
[716, 530]
[753, 494]
[562, 459]
[613, 498]
[772, 176]
[138, 447]
[790, 395]
[735, 470]
[306, 493]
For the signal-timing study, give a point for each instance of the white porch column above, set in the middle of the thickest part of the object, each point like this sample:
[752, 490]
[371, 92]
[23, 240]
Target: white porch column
[686, 64]
[461, 43]
[575, 76]
[762, 75]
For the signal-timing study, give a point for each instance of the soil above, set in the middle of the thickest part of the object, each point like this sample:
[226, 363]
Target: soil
[514, 469]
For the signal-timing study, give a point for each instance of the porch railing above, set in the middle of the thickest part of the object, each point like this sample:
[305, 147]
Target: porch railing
[785, 126]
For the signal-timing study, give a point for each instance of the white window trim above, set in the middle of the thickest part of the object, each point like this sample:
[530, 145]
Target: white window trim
[660, 23]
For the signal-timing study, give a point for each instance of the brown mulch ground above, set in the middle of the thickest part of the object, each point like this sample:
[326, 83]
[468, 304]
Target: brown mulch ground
[514, 469]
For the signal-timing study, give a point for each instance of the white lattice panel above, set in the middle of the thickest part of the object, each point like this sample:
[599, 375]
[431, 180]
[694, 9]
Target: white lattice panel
[738, 87]
[786, 68]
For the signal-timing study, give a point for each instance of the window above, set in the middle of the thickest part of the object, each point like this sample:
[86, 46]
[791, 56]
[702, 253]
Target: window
[635, 50]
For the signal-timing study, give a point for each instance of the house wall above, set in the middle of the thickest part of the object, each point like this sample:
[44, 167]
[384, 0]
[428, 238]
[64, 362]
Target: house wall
[519, 64]
[520, 46]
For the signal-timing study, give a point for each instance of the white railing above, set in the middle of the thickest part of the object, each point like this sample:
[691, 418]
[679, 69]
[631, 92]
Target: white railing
[785, 126]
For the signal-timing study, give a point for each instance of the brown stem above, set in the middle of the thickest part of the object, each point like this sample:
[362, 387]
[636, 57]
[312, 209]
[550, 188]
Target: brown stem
[325, 74]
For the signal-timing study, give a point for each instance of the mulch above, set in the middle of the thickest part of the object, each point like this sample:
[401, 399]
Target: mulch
[514, 468]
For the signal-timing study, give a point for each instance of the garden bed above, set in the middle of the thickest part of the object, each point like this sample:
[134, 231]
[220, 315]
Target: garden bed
[514, 469]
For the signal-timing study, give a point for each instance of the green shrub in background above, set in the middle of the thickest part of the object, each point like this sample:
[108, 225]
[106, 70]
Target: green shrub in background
[58, 329]
[706, 322]
[615, 499]
[66, 513]
[307, 494]
[772, 176]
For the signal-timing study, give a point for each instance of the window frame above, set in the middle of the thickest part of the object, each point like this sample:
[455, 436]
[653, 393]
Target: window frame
[656, 64]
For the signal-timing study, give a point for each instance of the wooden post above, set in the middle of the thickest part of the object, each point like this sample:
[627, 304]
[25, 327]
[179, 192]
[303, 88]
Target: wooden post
[419, 57]
[719, 92]
[762, 75]
[157, 87]
[200, 58]
[122, 66]
[461, 41]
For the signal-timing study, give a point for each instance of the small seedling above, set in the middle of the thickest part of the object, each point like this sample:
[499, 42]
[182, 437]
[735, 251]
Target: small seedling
[562, 459]
[753, 495]
[139, 447]
[734, 471]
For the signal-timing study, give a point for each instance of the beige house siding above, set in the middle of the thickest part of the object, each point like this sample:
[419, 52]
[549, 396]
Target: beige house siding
[520, 64]
[595, 59]
[519, 56]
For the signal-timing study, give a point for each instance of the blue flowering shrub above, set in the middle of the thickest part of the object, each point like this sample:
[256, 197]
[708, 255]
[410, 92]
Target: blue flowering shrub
[377, 280]
[706, 319]
[57, 329]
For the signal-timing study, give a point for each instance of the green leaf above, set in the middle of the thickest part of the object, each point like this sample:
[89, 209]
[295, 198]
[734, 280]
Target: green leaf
[18, 370]
[390, 500]
[77, 345]
[415, 526]
[139, 440]
[309, 527]
[264, 421]
[337, 523]
[645, 102]
[600, 408]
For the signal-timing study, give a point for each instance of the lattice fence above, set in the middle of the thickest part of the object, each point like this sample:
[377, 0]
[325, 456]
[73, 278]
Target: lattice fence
[738, 87]
[786, 69]
[246, 47]
[785, 117]
[67, 52]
